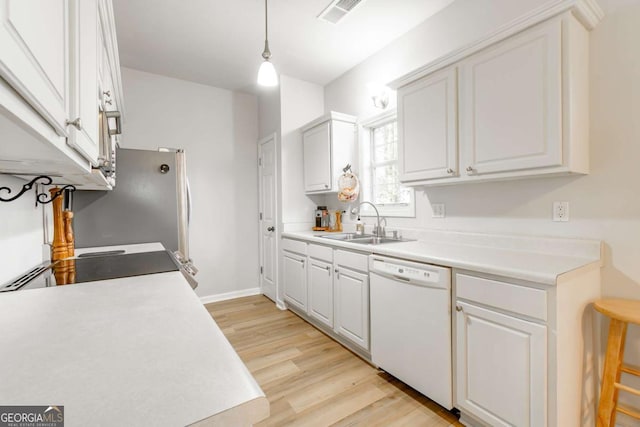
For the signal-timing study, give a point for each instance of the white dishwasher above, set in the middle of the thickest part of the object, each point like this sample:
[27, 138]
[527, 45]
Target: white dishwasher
[411, 324]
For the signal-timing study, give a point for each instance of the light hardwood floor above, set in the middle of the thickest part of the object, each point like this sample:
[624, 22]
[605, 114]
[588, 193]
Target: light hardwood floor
[311, 380]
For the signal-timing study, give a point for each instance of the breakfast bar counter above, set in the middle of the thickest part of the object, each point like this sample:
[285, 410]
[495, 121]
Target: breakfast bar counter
[132, 351]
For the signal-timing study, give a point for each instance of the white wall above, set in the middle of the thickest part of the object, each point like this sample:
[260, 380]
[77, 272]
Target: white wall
[218, 130]
[603, 205]
[301, 102]
[269, 111]
[21, 230]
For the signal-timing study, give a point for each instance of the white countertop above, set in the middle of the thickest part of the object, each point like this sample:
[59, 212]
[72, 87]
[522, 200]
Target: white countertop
[533, 259]
[132, 351]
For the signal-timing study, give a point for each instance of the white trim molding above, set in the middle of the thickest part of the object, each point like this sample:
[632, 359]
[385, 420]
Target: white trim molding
[230, 295]
[588, 12]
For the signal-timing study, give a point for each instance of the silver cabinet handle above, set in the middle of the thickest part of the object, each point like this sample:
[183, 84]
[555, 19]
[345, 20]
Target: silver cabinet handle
[107, 93]
[326, 186]
[77, 123]
[458, 308]
[272, 228]
[302, 263]
[328, 268]
[108, 101]
[450, 171]
[469, 169]
[115, 115]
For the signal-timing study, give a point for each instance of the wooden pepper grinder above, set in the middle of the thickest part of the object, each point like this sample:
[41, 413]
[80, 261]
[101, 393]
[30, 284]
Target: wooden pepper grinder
[59, 249]
[68, 232]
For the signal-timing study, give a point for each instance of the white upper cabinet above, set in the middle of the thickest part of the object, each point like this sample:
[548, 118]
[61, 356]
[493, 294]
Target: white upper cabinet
[329, 144]
[50, 58]
[511, 103]
[34, 57]
[428, 127]
[83, 132]
[518, 107]
[317, 158]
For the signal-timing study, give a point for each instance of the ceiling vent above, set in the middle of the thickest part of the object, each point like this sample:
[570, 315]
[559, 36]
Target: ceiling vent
[338, 9]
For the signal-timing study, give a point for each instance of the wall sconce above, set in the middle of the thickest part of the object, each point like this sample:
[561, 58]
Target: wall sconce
[379, 95]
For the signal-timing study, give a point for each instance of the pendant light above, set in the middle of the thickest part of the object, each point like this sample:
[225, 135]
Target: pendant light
[267, 75]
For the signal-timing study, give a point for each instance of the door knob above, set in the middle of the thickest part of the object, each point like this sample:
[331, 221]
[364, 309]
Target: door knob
[450, 171]
[272, 228]
[458, 308]
[469, 169]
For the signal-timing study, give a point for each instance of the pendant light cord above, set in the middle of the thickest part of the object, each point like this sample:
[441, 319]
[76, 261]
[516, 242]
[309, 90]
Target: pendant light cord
[266, 54]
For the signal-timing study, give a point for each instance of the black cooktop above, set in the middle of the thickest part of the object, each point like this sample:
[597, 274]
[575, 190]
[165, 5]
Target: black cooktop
[91, 269]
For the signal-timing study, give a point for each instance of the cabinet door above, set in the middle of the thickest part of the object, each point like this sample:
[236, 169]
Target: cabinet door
[317, 158]
[511, 103]
[84, 76]
[294, 275]
[321, 291]
[427, 128]
[500, 367]
[352, 306]
[34, 40]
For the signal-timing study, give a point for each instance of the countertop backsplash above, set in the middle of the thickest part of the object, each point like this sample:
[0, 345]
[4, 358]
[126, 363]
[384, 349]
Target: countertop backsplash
[21, 231]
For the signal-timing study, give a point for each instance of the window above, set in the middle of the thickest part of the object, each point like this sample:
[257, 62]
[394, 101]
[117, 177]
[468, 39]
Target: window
[380, 178]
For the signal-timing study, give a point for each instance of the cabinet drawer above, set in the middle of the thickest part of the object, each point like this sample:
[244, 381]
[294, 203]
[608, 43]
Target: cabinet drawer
[506, 296]
[294, 246]
[352, 260]
[324, 253]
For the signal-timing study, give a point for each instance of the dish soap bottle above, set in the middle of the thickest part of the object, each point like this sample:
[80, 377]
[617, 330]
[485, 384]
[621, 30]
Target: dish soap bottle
[359, 226]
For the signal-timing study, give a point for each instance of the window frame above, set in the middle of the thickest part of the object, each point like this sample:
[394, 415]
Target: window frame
[367, 127]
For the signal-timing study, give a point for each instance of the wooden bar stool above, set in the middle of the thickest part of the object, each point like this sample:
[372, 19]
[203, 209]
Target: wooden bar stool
[621, 312]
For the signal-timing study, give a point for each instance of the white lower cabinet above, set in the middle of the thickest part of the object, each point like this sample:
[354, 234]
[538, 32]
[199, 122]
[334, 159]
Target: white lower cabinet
[351, 288]
[501, 367]
[320, 288]
[329, 287]
[352, 306]
[294, 276]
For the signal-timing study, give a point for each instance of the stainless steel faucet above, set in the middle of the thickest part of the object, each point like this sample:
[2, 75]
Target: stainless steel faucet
[378, 230]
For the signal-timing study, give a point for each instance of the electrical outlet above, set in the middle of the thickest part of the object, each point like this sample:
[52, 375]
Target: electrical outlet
[561, 211]
[438, 210]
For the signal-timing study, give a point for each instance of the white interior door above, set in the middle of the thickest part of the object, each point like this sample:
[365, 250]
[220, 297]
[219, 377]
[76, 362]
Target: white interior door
[268, 216]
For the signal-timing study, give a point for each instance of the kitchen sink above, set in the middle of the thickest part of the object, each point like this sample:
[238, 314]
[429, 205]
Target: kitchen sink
[347, 236]
[363, 239]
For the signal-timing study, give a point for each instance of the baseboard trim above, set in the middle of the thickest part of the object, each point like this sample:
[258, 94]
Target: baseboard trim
[230, 295]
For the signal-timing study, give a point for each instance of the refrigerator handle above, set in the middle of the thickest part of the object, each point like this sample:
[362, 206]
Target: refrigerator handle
[188, 203]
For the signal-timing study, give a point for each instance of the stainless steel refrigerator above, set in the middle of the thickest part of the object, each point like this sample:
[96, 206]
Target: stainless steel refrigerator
[151, 202]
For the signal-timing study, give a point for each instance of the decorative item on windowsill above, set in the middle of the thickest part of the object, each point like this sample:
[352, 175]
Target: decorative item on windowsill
[348, 185]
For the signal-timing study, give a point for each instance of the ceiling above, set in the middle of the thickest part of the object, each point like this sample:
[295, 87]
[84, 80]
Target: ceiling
[219, 43]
